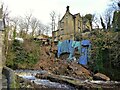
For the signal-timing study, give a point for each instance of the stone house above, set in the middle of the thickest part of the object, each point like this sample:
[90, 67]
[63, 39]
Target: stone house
[71, 26]
[43, 38]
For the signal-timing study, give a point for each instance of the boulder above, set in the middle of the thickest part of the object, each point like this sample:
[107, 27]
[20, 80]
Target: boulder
[100, 76]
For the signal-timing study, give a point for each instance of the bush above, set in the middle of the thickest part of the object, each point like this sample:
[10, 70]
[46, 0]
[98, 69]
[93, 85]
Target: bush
[105, 53]
[23, 55]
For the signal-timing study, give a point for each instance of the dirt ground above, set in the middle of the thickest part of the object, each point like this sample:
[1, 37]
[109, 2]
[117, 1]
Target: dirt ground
[49, 62]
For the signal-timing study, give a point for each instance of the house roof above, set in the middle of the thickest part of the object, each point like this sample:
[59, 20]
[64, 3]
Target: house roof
[42, 36]
[65, 14]
[67, 11]
[78, 14]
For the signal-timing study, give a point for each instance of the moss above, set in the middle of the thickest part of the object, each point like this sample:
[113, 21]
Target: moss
[15, 83]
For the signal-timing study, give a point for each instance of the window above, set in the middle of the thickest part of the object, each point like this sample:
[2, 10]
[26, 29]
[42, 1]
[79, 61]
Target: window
[62, 32]
[61, 25]
[79, 29]
[78, 26]
[66, 16]
[1, 25]
[78, 23]
[71, 36]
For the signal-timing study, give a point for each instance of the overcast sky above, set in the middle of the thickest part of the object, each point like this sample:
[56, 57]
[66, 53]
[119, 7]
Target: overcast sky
[42, 8]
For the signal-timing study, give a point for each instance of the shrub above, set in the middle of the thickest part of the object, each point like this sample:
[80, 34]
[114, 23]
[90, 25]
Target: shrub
[105, 53]
[23, 55]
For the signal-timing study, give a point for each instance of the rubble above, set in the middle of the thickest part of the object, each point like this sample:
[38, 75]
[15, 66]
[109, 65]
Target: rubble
[100, 76]
[60, 66]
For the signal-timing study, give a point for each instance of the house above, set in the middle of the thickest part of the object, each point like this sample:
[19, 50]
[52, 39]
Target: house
[43, 38]
[71, 26]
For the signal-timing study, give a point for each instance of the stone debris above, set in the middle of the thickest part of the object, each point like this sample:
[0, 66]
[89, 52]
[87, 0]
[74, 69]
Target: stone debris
[100, 76]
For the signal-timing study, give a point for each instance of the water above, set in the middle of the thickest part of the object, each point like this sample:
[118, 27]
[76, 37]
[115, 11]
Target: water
[29, 72]
[50, 84]
[30, 75]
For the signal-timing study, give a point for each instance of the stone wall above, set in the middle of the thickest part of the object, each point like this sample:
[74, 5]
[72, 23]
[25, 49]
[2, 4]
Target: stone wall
[10, 76]
[14, 81]
[1, 64]
[1, 45]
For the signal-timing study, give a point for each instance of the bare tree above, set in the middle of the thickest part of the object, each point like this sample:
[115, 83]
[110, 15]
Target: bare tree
[53, 17]
[14, 23]
[6, 20]
[114, 5]
[39, 28]
[102, 23]
[108, 14]
[96, 21]
[59, 16]
[34, 24]
[108, 18]
[22, 27]
[27, 22]
[47, 29]
[119, 5]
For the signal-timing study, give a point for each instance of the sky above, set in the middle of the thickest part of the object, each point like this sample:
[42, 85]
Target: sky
[42, 8]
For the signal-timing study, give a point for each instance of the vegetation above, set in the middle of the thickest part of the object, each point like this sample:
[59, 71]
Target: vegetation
[105, 56]
[22, 55]
[89, 17]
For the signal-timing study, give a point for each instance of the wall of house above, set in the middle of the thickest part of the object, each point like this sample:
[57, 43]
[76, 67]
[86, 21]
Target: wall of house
[78, 24]
[67, 27]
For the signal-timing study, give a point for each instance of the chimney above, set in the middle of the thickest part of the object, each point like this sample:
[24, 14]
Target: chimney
[67, 9]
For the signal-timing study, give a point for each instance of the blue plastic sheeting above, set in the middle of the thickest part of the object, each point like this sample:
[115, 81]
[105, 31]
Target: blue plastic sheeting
[59, 48]
[85, 47]
[75, 44]
[69, 47]
[85, 42]
[64, 47]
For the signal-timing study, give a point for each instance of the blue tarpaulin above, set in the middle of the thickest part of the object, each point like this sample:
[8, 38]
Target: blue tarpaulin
[68, 46]
[64, 47]
[85, 46]
[75, 44]
[59, 48]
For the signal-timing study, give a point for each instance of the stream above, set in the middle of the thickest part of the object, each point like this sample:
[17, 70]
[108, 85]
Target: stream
[30, 75]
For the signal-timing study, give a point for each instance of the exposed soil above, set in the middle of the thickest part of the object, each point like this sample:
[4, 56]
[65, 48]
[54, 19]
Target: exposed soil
[61, 66]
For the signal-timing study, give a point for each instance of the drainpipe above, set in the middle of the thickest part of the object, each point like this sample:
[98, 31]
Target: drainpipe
[74, 26]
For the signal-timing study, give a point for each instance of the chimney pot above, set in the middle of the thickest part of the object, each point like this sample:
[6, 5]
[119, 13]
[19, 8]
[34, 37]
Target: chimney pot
[67, 8]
